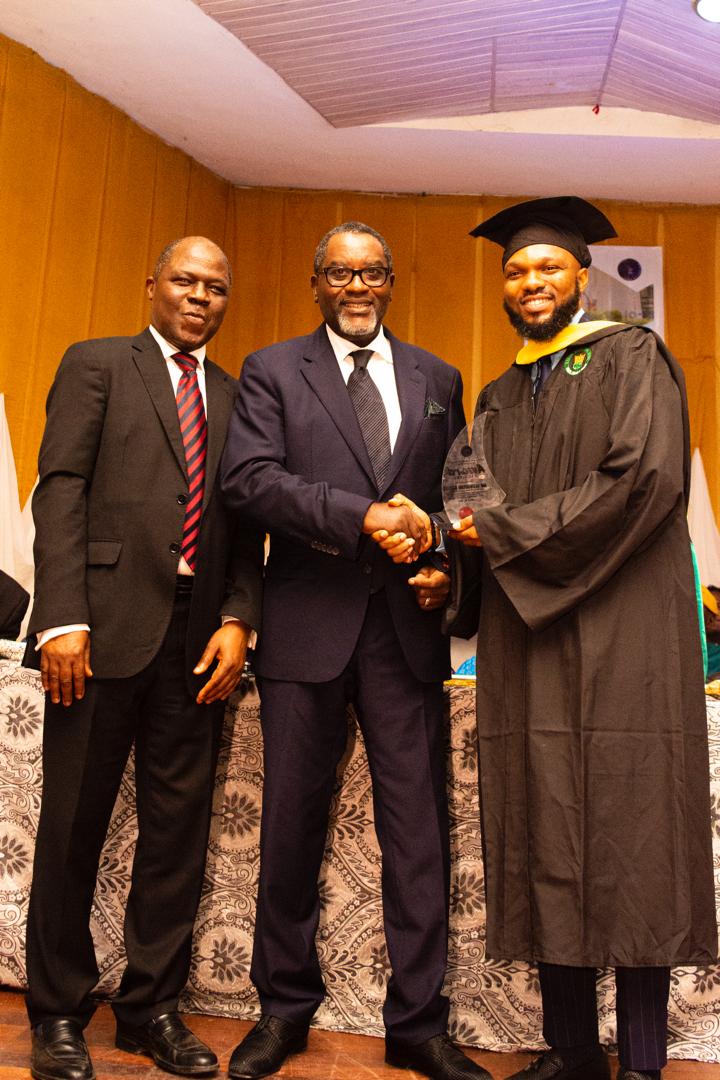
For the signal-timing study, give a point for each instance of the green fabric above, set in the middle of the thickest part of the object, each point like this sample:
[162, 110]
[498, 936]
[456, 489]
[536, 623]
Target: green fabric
[701, 617]
[713, 660]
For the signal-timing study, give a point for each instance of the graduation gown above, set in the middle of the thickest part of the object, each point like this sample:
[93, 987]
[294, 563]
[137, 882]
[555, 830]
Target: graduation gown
[594, 773]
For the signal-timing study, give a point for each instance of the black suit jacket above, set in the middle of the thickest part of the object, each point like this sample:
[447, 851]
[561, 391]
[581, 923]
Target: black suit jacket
[296, 463]
[109, 509]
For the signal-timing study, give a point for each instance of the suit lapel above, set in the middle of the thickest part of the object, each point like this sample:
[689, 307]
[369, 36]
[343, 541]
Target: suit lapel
[220, 393]
[153, 370]
[320, 368]
[411, 387]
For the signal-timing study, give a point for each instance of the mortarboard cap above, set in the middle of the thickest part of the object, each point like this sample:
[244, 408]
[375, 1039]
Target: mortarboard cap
[566, 221]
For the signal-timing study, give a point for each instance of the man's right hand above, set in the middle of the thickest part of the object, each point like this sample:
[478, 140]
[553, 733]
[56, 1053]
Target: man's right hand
[403, 545]
[65, 665]
[389, 519]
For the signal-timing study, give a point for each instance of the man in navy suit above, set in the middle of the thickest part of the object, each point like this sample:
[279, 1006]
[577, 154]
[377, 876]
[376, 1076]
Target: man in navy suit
[314, 465]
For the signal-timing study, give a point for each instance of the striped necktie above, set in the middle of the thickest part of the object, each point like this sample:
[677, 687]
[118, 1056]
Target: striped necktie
[372, 416]
[193, 428]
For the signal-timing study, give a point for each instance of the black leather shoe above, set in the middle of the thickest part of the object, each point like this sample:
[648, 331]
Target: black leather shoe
[436, 1058]
[550, 1066]
[59, 1051]
[170, 1044]
[265, 1047]
[633, 1074]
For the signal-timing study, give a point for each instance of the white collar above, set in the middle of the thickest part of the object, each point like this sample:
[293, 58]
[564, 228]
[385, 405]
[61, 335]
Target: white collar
[169, 350]
[342, 347]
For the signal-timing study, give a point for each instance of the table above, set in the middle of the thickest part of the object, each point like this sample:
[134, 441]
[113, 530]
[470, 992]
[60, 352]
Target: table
[495, 1005]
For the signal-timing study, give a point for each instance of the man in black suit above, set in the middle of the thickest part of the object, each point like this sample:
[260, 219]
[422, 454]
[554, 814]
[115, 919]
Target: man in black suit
[143, 583]
[325, 428]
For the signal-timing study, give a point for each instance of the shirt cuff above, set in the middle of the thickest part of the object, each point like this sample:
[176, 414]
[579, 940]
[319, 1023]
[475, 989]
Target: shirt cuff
[252, 640]
[57, 631]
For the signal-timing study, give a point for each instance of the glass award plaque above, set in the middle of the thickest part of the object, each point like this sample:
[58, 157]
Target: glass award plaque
[467, 482]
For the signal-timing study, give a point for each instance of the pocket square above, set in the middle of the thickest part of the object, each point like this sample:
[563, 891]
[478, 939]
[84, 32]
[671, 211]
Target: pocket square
[432, 408]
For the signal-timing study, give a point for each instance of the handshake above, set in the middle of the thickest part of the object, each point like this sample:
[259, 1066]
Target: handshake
[405, 532]
[401, 528]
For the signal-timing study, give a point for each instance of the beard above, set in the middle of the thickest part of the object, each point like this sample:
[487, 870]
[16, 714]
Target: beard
[561, 317]
[351, 327]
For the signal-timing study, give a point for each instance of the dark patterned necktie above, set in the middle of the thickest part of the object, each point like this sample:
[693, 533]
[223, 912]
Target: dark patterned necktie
[372, 417]
[193, 428]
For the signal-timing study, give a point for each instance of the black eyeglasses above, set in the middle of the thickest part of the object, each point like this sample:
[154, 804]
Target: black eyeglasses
[372, 276]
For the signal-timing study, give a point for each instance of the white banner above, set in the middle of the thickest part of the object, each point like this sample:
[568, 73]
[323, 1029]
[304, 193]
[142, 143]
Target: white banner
[625, 284]
[15, 543]
[701, 523]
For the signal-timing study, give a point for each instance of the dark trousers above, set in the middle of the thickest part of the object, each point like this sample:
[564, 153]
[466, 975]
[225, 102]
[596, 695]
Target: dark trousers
[305, 731]
[85, 749]
[570, 1011]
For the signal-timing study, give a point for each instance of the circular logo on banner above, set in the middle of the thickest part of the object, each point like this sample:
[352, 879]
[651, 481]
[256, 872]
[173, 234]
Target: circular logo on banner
[577, 360]
[629, 269]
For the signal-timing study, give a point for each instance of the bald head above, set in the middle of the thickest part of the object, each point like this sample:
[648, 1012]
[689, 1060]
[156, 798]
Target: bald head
[189, 291]
[168, 250]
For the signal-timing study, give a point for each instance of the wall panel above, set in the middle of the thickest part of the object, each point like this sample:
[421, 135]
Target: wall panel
[445, 285]
[88, 200]
[207, 203]
[67, 289]
[256, 248]
[395, 218]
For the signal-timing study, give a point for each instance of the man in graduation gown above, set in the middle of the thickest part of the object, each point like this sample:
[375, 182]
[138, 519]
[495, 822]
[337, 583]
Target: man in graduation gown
[591, 714]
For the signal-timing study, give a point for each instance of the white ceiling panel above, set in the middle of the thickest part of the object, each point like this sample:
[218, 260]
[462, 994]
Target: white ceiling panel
[366, 61]
[359, 63]
[285, 92]
[535, 71]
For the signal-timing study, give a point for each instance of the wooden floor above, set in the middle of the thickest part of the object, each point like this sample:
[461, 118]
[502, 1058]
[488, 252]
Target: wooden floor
[328, 1057]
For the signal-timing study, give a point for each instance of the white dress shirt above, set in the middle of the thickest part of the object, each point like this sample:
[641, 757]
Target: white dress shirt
[174, 369]
[380, 368]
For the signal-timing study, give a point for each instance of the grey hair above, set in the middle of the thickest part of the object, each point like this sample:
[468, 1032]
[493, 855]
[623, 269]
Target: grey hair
[167, 253]
[350, 227]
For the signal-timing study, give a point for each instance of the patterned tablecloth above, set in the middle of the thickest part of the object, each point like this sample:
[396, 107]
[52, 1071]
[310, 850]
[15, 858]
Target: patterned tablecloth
[494, 1005]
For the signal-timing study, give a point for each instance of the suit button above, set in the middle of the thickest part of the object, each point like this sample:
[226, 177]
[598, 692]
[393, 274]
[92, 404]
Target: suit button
[174, 549]
[182, 499]
[366, 568]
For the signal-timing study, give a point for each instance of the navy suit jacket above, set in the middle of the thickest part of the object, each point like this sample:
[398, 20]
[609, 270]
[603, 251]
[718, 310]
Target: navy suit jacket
[295, 463]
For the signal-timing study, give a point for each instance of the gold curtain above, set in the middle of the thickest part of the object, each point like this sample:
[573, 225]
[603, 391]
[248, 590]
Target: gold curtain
[88, 198]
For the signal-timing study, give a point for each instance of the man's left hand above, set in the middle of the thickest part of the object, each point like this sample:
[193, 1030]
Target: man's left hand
[228, 646]
[431, 587]
[466, 532]
[399, 547]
